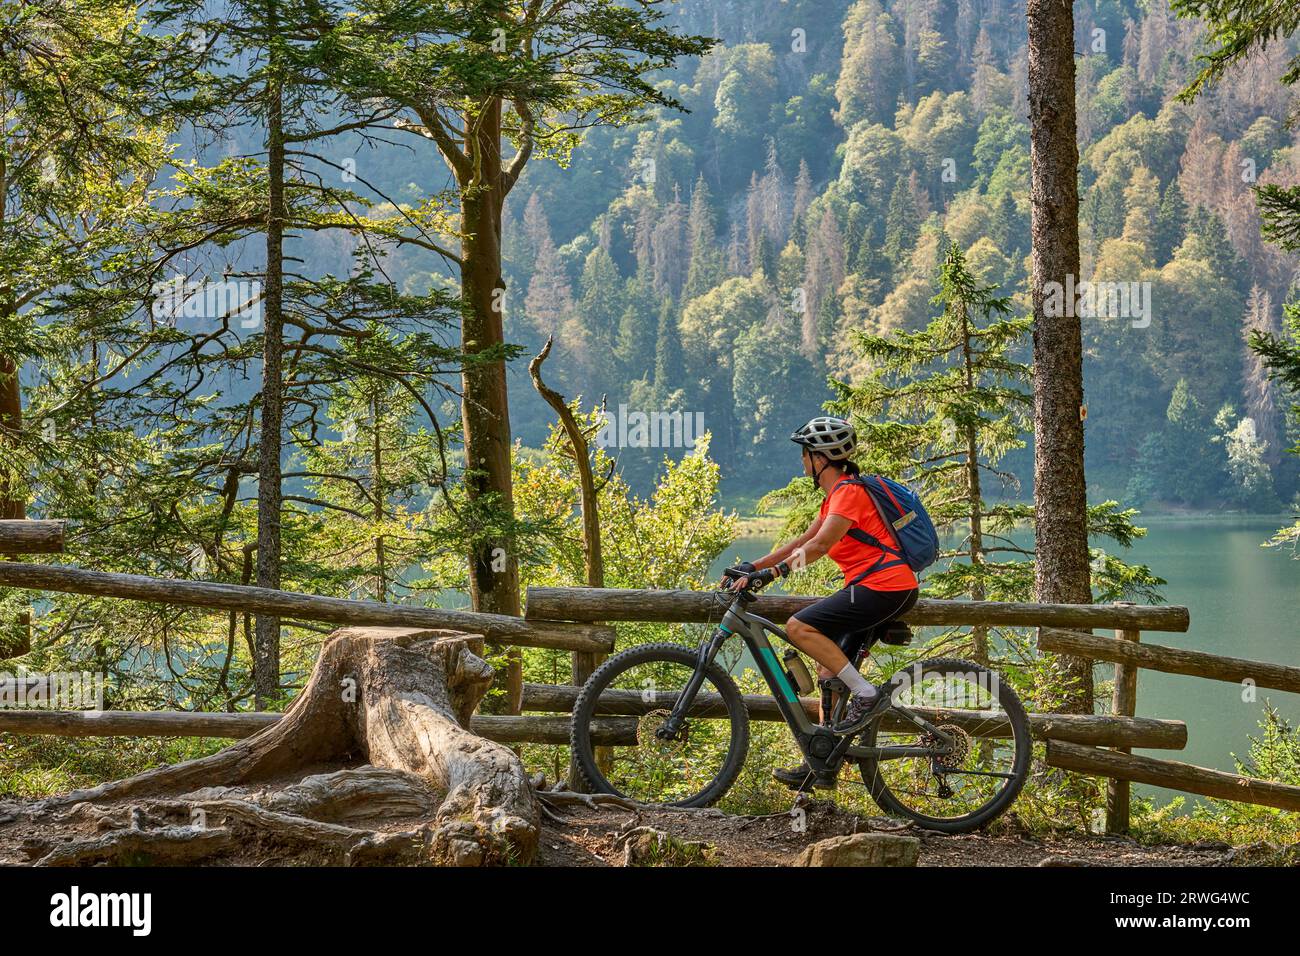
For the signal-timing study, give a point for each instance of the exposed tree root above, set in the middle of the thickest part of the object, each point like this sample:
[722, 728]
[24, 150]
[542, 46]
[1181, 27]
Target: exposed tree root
[397, 699]
[162, 846]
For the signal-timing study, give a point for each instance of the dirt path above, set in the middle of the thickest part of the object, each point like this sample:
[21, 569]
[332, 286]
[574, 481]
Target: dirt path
[578, 836]
[583, 837]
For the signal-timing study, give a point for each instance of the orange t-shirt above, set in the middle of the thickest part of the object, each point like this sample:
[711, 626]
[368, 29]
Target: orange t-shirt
[854, 502]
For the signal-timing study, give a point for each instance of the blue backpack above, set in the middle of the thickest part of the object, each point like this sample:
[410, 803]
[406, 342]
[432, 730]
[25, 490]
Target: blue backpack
[901, 509]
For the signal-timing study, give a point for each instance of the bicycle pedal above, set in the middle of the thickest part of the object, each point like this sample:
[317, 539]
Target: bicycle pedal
[818, 782]
[826, 781]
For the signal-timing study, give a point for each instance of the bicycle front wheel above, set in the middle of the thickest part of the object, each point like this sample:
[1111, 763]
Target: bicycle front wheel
[959, 788]
[628, 699]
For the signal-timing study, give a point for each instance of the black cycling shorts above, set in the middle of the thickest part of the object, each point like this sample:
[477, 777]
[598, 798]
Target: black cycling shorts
[848, 616]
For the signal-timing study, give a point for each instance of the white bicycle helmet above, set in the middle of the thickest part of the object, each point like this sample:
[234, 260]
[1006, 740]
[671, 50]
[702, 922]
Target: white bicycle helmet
[833, 437]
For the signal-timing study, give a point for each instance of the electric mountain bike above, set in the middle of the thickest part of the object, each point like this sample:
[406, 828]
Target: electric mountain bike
[666, 724]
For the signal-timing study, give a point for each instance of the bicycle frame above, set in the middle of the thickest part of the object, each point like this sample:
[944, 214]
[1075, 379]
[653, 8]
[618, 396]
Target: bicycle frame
[812, 738]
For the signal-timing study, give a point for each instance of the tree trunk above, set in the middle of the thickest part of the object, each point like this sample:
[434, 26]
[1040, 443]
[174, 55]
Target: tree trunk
[380, 493]
[1061, 572]
[494, 570]
[974, 497]
[15, 639]
[592, 556]
[12, 506]
[266, 668]
[397, 700]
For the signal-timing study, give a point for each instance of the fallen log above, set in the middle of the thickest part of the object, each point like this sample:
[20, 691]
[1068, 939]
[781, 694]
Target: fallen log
[1171, 660]
[627, 604]
[31, 537]
[496, 628]
[398, 699]
[1171, 774]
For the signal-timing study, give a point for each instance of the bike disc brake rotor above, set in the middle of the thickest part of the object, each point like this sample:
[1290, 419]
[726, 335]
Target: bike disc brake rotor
[650, 722]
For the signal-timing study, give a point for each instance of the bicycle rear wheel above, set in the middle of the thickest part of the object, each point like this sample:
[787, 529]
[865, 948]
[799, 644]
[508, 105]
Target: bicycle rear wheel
[967, 788]
[628, 698]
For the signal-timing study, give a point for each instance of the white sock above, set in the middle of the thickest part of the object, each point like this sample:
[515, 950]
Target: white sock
[856, 682]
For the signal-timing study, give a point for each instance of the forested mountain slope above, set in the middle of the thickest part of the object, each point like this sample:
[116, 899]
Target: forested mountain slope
[716, 261]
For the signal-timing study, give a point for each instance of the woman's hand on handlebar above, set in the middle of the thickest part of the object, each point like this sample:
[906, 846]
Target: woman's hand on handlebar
[745, 577]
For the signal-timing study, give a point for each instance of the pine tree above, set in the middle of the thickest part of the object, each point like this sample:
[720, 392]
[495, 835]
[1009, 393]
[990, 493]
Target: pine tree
[802, 199]
[1207, 239]
[669, 366]
[1171, 221]
[1008, 227]
[600, 310]
[1189, 433]
[705, 269]
[824, 272]
[549, 302]
[1141, 203]
[867, 89]
[669, 250]
[1258, 390]
[902, 226]
[637, 329]
[77, 159]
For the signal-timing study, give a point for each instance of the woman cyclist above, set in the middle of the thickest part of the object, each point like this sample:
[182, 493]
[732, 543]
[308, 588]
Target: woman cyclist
[878, 586]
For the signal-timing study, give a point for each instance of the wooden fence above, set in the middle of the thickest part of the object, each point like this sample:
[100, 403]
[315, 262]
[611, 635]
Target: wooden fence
[26, 537]
[565, 619]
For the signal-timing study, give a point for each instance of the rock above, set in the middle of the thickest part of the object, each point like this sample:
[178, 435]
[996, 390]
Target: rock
[1061, 861]
[862, 849]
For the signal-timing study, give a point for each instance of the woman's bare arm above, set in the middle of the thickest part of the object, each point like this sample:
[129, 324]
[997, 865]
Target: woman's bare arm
[809, 546]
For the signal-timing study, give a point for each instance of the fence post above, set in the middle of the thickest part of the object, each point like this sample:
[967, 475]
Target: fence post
[1123, 704]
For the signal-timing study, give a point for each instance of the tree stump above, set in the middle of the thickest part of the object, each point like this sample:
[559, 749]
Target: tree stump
[394, 699]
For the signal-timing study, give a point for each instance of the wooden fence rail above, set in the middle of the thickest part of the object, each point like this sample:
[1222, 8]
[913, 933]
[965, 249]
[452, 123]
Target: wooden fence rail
[620, 604]
[1171, 660]
[1097, 730]
[1171, 774]
[31, 537]
[609, 731]
[496, 628]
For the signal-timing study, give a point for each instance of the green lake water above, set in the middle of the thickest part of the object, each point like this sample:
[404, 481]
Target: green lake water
[1244, 601]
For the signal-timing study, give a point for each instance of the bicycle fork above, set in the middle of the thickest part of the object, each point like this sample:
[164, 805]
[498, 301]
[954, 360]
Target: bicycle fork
[708, 650]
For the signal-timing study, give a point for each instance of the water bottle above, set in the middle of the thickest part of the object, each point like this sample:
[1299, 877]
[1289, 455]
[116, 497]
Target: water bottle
[797, 671]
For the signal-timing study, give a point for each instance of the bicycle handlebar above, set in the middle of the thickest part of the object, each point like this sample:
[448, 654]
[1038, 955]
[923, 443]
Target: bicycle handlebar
[735, 574]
